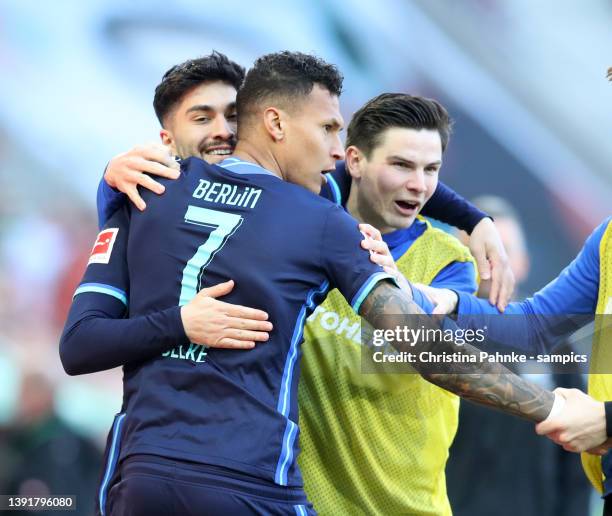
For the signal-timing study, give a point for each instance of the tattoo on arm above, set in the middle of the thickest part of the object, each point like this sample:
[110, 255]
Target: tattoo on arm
[485, 383]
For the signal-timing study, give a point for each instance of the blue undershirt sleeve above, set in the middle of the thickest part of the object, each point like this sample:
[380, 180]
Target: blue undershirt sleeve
[420, 299]
[108, 200]
[553, 313]
[457, 276]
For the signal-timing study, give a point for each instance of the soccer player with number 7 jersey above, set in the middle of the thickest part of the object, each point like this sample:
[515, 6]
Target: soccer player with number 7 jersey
[215, 431]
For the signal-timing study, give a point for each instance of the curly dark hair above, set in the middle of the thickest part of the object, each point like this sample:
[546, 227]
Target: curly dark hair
[182, 78]
[285, 76]
[396, 110]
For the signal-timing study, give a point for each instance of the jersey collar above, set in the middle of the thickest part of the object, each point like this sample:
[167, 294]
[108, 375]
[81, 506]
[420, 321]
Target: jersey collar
[239, 166]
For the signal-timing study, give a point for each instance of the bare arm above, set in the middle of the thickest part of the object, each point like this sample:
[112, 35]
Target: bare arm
[486, 383]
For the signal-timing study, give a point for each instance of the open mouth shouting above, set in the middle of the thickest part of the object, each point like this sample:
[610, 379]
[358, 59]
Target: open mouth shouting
[406, 207]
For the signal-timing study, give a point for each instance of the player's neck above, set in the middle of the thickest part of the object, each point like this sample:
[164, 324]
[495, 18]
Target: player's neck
[352, 205]
[247, 151]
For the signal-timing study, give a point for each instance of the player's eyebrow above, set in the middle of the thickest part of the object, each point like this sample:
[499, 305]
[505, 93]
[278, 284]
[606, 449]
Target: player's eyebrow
[200, 107]
[335, 123]
[395, 157]
[210, 109]
[410, 162]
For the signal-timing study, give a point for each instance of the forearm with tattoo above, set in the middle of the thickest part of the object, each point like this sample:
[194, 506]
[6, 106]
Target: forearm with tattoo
[487, 383]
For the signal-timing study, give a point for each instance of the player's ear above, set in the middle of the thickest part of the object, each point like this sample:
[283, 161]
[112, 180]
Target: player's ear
[274, 123]
[168, 140]
[355, 161]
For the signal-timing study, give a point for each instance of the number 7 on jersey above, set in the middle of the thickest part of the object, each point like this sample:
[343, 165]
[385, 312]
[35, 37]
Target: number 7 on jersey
[225, 225]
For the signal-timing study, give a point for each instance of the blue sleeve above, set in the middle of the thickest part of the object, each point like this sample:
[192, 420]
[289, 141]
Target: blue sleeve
[576, 289]
[327, 190]
[108, 200]
[512, 329]
[556, 311]
[422, 300]
[447, 206]
[457, 276]
[338, 185]
[96, 336]
[345, 262]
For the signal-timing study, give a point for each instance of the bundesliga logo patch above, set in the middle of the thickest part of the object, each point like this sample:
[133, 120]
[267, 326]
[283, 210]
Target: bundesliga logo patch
[102, 249]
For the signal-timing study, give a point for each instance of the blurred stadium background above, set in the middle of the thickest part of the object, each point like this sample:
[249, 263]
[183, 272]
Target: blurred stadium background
[525, 82]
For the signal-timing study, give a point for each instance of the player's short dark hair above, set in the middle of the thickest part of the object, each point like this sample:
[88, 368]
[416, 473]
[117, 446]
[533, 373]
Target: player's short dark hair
[182, 78]
[396, 110]
[285, 77]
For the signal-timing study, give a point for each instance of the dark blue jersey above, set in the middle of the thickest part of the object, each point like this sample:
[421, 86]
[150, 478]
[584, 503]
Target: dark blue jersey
[445, 205]
[284, 247]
